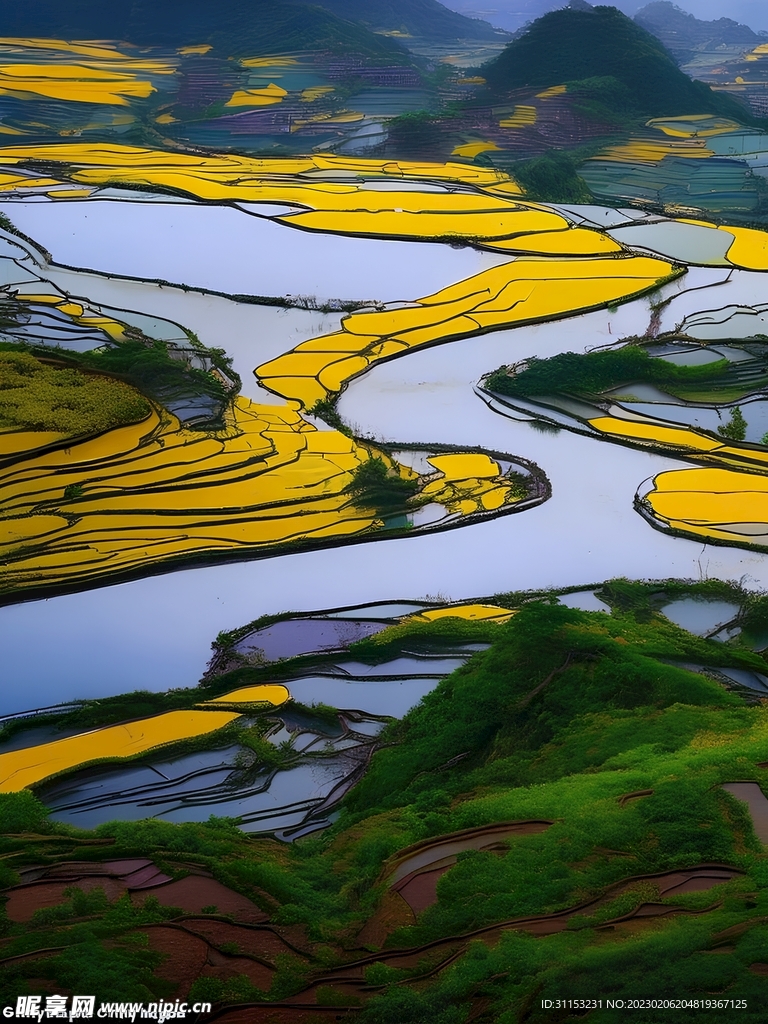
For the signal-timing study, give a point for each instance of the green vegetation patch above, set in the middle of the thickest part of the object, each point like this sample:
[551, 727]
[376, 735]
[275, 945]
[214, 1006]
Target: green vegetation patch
[244, 27]
[590, 375]
[149, 365]
[374, 485]
[35, 395]
[563, 716]
[552, 178]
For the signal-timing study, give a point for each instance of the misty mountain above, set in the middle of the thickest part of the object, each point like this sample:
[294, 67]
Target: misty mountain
[606, 48]
[682, 33]
[424, 18]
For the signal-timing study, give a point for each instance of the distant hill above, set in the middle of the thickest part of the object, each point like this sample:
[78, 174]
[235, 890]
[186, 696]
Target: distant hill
[569, 46]
[683, 33]
[424, 18]
[233, 27]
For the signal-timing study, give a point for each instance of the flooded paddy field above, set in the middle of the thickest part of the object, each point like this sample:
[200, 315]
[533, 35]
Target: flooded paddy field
[297, 694]
[280, 771]
[244, 252]
[156, 632]
[383, 546]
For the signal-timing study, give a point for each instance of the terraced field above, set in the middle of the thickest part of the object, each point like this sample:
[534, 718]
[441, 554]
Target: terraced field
[462, 771]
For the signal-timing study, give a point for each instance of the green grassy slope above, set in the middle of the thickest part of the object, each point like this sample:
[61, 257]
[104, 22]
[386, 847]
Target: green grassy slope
[562, 718]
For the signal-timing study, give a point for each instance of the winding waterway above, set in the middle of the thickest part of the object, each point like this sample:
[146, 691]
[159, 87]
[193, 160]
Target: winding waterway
[156, 632]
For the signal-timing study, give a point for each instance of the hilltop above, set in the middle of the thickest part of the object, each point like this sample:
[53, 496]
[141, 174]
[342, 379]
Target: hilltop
[637, 73]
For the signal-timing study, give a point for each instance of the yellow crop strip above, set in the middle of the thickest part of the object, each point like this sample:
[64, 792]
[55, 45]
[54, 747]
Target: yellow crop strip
[264, 97]
[103, 52]
[687, 441]
[154, 492]
[472, 149]
[651, 151]
[32, 294]
[470, 612]
[516, 292]
[719, 504]
[26, 767]
[694, 126]
[269, 62]
[234, 177]
[553, 90]
[749, 246]
[316, 92]
[265, 693]
[726, 501]
[570, 241]
[75, 83]
[656, 433]
[521, 117]
[468, 484]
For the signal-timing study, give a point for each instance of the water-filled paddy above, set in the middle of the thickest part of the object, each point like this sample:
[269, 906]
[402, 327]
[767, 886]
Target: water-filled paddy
[585, 600]
[249, 333]
[323, 756]
[155, 633]
[700, 617]
[224, 249]
[173, 618]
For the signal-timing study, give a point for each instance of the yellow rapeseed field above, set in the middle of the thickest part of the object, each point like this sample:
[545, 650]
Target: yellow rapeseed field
[22, 768]
[141, 496]
[471, 612]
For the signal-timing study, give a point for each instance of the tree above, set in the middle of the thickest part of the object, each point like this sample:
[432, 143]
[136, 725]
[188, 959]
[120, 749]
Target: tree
[736, 427]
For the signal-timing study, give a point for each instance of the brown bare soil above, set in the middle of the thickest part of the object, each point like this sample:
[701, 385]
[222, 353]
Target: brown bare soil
[186, 956]
[416, 870]
[696, 880]
[226, 967]
[195, 892]
[670, 883]
[45, 886]
[24, 900]
[261, 942]
[756, 801]
[419, 890]
[393, 913]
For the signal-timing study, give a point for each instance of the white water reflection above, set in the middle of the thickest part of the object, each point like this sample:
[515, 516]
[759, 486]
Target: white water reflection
[393, 697]
[155, 633]
[225, 249]
[585, 601]
[250, 334]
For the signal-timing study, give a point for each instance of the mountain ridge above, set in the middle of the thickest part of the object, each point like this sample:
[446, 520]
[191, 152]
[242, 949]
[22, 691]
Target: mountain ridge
[570, 46]
[240, 26]
[427, 18]
[682, 33]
